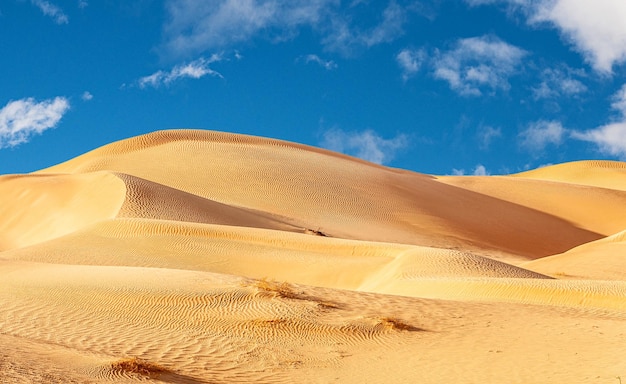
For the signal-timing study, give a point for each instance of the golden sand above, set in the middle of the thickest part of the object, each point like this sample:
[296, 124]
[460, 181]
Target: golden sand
[205, 257]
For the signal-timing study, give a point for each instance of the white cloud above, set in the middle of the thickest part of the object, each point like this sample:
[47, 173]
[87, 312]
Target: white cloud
[596, 28]
[559, 82]
[194, 69]
[478, 62]
[542, 133]
[327, 64]
[86, 96]
[82, 4]
[195, 26]
[619, 101]
[367, 145]
[410, 61]
[51, 10]
[611, 138]
[21, 119]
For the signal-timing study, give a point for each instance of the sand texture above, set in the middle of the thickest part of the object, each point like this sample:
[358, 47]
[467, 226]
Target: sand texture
[191, 256]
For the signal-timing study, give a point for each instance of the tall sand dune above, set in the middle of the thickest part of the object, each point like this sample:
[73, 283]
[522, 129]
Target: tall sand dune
[331, 193]
[192, 256]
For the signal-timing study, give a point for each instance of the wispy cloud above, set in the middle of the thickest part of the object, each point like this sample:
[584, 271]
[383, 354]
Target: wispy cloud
[21, 119]
[86, 96]
[327, 64]
[82, 4]
[476, 63]
[195, 26]
[51, 10]
[596, 28]
[194, 69]
[367, 145]
[486, 134]
[410, 61]
[479, 170]
[559, 82]
[344, 37]
[619, 101]
[538, 135]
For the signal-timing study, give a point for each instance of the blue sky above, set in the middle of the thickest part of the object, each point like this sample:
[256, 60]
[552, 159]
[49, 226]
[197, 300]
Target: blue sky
[434, 86]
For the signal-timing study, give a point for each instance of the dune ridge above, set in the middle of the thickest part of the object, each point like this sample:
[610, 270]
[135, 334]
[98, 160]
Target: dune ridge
[191, 256]
[594, 173]
[342, 196]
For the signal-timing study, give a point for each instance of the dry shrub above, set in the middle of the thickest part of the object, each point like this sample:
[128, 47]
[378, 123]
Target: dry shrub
[314, 232]
[283, 289]
[138, 366]
[287, 291]
[393, 323]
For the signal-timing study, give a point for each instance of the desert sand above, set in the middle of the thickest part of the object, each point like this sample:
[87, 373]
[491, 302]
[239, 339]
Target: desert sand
[191, 256]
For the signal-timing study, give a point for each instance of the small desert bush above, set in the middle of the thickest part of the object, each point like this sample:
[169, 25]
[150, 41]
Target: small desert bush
[138, 366]
[315, 232]
[283, 289]
[393, 323]
[287, 291]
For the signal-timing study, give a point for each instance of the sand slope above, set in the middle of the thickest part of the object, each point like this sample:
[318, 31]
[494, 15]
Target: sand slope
[35, 208]
[604, 259]
[218, 258]
[597, 173]
[337, 195]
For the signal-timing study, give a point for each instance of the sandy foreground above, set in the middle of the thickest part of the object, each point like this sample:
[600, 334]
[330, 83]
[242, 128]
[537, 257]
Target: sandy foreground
[194, 256]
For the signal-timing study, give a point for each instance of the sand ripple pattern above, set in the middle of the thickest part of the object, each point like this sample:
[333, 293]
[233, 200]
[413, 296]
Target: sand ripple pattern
[235, 332]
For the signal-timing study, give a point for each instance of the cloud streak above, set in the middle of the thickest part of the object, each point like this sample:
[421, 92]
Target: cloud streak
[194, 70]
[195, 26]
[326, 64]
[344, 37]
[22, 119]
[367, 145]
[52, 11]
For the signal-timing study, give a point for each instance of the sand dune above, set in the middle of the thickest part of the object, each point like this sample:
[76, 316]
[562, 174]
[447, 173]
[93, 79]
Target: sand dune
[604, 174]
[586, 207]
[604, 259]
[337, 195]
[204, 257]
